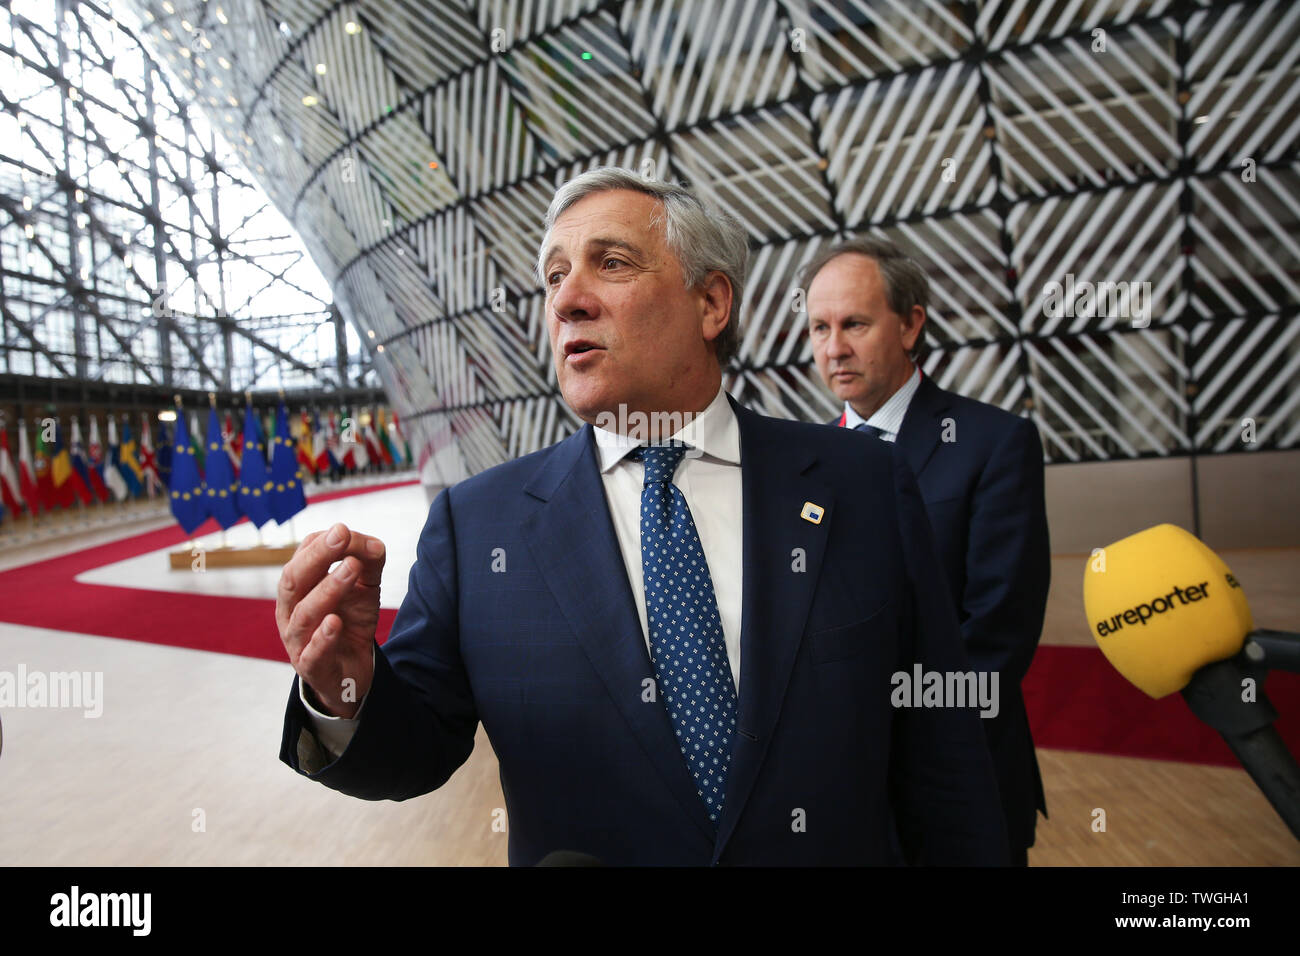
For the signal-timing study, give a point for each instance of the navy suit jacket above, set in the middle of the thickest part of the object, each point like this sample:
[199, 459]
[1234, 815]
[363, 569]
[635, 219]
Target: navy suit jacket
[983, 493]
[549, 654]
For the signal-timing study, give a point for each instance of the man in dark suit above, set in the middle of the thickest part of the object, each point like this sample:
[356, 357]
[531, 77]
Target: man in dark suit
[980, 473]
[682, 628]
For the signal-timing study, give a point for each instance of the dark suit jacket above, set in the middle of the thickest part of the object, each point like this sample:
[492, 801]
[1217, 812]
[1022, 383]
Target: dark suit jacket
[983, 492]
[550, 655]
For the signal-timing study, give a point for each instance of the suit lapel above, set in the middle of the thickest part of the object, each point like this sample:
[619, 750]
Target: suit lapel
[777, 597]
[572, 540]
[922, 425]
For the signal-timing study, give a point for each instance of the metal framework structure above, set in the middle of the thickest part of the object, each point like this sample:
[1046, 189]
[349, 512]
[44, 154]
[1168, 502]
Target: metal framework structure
[134, 248]
[1015, 147]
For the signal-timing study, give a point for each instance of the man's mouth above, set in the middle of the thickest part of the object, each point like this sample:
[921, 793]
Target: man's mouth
[579, 348]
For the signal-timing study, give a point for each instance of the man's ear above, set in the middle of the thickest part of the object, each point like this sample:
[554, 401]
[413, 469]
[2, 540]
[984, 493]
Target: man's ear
[715, 295]
[913, 325]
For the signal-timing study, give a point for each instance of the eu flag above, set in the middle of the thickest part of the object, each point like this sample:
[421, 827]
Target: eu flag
[189, 505]
[287, 498]
[220, 485]
[254, 483]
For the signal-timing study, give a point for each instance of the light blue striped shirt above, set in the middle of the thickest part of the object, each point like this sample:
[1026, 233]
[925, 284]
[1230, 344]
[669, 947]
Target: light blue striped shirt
[889, 416]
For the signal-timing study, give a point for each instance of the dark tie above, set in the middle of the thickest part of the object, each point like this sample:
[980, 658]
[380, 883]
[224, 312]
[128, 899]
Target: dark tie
[871, 430]
[686, 641]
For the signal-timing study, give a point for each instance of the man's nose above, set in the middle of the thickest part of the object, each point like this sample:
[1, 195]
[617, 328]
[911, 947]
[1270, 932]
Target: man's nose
[573, 298]
[837, 344]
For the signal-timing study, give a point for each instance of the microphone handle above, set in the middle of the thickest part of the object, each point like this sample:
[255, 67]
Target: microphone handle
[1214, 694]
[1273, 769]
[1275, 650]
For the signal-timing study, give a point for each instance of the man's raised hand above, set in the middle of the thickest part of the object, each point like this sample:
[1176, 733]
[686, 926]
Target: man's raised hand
[328, 620]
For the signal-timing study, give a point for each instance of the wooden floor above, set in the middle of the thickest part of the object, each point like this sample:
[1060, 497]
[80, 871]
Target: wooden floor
[189, 735]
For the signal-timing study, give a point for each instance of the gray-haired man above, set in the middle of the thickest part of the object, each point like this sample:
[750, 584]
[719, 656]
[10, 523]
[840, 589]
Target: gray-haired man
[657, 643]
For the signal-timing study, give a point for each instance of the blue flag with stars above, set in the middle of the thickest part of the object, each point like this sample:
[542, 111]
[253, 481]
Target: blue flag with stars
[189, 506]
[287, 497]
[254, 483]
[220, 485]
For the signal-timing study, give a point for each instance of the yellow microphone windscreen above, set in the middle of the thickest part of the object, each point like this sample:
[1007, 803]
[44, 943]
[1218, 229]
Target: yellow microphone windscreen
[1161, 605]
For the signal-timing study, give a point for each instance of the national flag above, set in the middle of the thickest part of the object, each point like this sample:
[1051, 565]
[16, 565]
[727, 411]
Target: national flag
[128, 464]
[255, 484]
[219, 485]
[95, 452]
[333, 447]
[306, 439]
[163, 452]
[148, 461]
[27, 473]
[81, 462]
[356, 455]
[287, 498]
[44, 477]
[401, 438]
[233, 442]
[10, 488]
[72, 483]
[374, 452]
[188, 503]
[395, 446]
[384, 439]
[112, 465]
[196, 443]
[320, 455]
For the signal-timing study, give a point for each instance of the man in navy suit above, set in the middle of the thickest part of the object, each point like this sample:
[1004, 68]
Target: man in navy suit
[980, 472]
[683, 627]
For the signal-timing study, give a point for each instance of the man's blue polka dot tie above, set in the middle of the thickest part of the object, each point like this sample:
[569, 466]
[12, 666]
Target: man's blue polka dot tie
[686, 642]
[871, 430]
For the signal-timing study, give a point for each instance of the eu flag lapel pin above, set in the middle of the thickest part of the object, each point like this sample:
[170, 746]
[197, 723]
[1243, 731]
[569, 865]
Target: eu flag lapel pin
[812, 512]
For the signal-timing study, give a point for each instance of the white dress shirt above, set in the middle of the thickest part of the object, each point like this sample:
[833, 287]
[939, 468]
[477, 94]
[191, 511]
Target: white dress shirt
[889, 416]
[709, 479]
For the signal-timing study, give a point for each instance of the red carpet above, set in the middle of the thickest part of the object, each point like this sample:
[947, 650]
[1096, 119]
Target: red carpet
[1076, 700]
[47, 594]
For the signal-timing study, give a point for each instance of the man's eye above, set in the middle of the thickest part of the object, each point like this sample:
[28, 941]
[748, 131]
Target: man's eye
[554, 277]
[617, 262]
